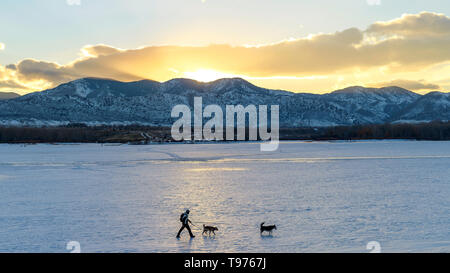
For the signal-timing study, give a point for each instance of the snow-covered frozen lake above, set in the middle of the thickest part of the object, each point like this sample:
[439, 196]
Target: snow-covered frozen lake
[323, 197]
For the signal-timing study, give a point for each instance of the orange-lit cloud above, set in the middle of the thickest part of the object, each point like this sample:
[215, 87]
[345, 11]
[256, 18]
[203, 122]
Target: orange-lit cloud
[426, 24]
[407, 48]
[99, 50]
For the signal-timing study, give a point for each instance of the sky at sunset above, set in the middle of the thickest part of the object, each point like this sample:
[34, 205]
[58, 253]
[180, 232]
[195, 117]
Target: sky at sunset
[298, 45]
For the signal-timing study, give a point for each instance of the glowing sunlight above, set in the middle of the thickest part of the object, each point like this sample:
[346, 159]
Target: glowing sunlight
[206, 75]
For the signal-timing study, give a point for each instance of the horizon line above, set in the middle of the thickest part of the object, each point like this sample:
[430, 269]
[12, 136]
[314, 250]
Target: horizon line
[230, 78]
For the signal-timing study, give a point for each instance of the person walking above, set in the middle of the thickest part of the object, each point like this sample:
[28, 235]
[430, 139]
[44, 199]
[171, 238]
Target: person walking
[184, 219]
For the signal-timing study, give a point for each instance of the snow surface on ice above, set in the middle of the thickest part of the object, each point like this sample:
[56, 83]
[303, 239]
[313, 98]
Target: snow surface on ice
[323, 197]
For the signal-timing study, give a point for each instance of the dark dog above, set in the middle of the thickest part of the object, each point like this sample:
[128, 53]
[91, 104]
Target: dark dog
[267, 228]
[209, 229]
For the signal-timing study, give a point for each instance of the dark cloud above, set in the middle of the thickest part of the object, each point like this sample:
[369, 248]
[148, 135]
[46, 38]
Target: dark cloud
[33, 70]
[11, 66]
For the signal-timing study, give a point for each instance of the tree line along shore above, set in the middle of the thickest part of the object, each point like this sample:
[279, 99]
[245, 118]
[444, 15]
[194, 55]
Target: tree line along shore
[137, 134]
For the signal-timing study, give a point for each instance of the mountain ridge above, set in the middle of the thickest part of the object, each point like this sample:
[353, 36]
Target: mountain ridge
[107, 101]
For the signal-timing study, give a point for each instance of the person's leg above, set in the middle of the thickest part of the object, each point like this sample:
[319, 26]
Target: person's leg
[189, 229]
[179, 232]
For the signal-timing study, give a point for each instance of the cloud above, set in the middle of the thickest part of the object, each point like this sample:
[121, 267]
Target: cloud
[11, 84]
[11, 67]
[33, 70]
[2, 46]
[408, 44]
[319, 54]
[409, 84]
[424, 24]
[99, 50]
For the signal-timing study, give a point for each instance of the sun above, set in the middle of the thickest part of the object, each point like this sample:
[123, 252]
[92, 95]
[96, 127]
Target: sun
[206, 75]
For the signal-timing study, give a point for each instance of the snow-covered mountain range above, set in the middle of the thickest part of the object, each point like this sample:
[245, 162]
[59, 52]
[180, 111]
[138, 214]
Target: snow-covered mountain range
[104, 101]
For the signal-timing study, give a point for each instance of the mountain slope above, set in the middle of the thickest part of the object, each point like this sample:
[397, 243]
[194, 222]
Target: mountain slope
[8, 95]
[373, 105]
[104, 101]
[432, 106]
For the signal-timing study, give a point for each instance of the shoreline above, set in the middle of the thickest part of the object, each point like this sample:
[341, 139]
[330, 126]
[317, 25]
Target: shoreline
[223, 142]
[139, 135]
[117, 144]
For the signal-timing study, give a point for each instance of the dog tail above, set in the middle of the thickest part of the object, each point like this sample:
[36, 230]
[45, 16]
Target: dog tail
[262, 224]
[203, 225]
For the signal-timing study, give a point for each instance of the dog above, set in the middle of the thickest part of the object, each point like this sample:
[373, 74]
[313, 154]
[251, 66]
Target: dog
[267, 228]
[209, 229]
